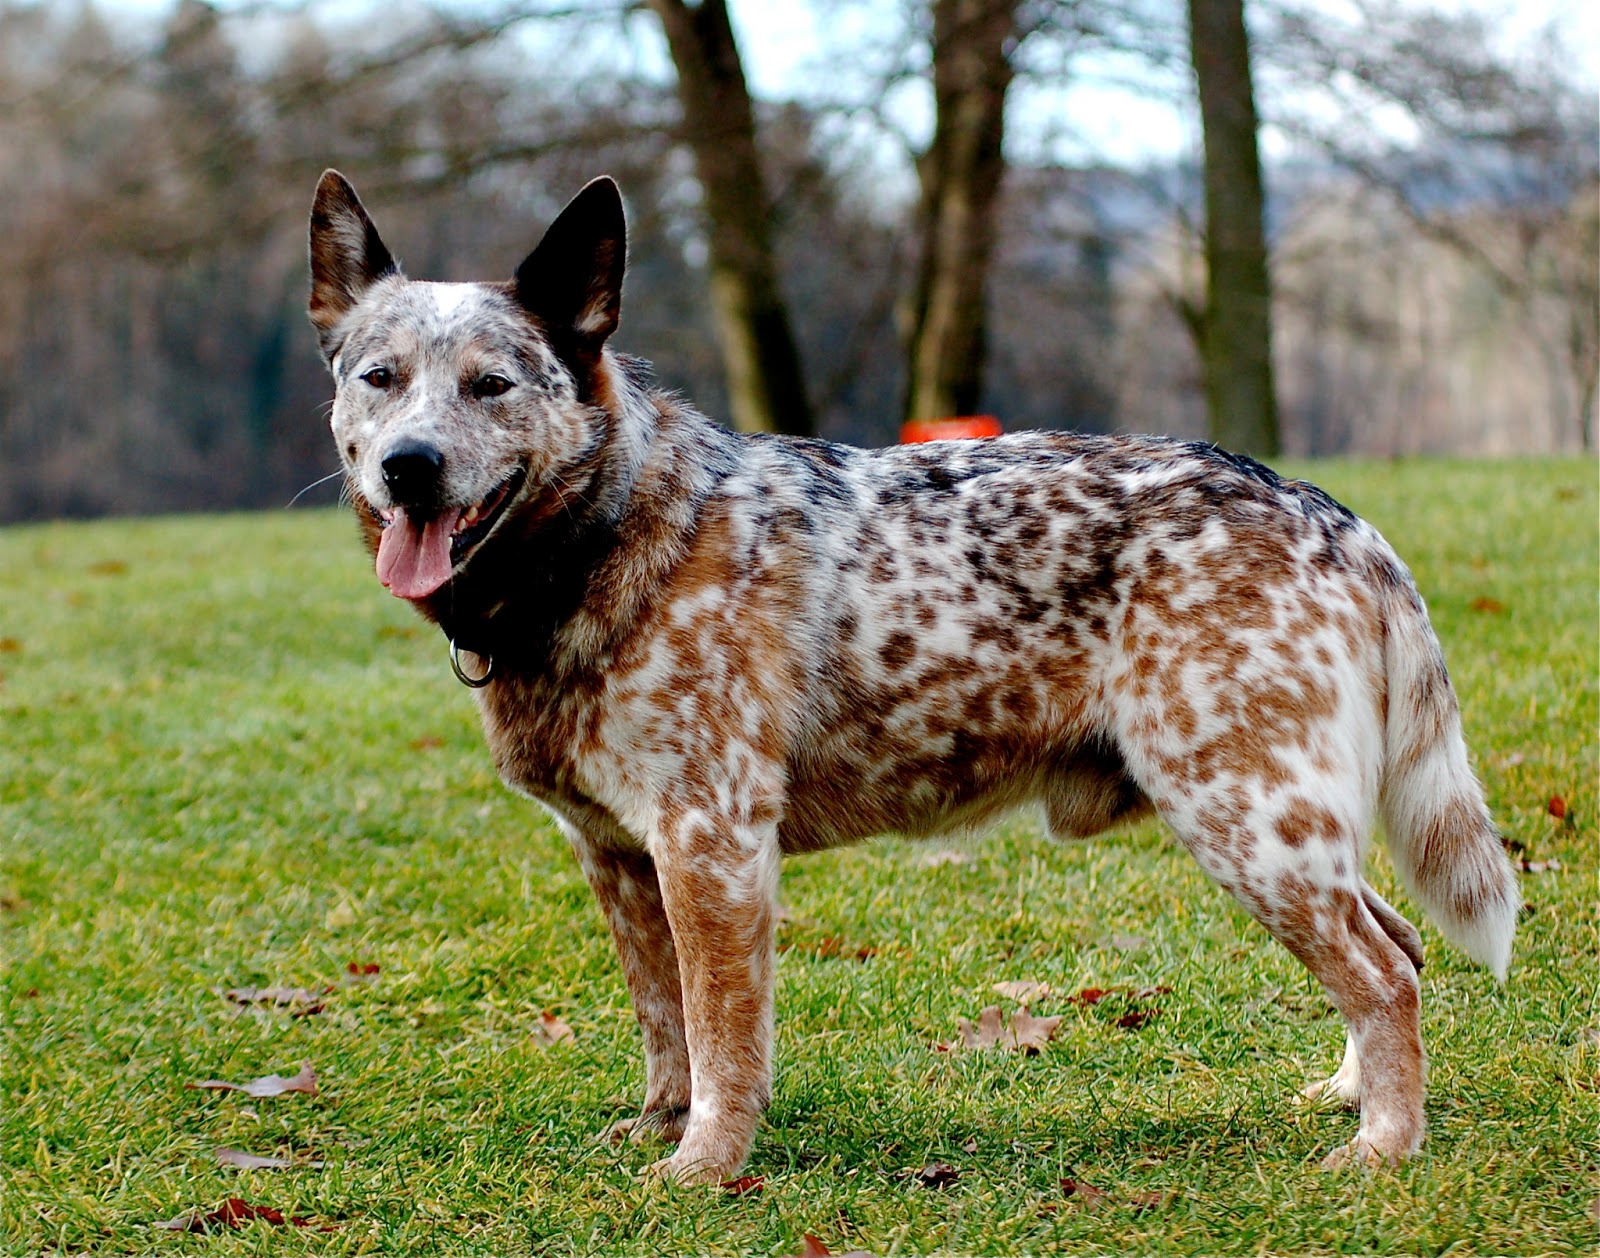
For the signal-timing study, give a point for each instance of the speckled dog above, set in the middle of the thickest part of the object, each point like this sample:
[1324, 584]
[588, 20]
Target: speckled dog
[701, 651]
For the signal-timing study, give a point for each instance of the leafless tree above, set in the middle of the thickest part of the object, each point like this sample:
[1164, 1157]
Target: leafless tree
[960, 175]
[766, 388]
[1234, 328]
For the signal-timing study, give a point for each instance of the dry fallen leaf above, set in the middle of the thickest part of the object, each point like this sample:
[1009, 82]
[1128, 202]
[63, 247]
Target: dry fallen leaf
[1085, 1195]
[744, 1186]
[936, 1175]
[236, 1212]
[1492, 606]
[267, 1085]
[1557, 807]
[1143, 1201]
[1088, 1197]
[240, 1160]
[277, 996]
[551, 1030]
[1024, 1033]
[1024, 993]
[9, 646]
[828, 946]
[812, 1247]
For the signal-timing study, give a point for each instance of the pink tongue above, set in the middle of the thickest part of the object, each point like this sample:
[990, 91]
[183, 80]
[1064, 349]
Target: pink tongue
[413, 559]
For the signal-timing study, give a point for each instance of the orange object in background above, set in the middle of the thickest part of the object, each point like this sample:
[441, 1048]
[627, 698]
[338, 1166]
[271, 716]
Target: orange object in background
[949, 429]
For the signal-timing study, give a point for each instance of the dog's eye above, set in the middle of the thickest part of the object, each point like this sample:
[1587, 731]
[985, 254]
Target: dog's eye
[378, 377]
[491, 385]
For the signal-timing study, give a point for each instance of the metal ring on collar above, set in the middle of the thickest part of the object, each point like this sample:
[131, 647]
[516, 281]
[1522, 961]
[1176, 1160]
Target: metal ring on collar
[466, 678]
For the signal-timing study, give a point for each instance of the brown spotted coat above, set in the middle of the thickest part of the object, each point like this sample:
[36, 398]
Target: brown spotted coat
[709, 650]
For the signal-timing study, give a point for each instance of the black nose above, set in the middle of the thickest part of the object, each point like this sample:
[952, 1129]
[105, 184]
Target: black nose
[411, 471]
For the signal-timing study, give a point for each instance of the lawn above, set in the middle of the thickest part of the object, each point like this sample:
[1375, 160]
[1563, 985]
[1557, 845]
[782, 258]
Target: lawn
[228, 759]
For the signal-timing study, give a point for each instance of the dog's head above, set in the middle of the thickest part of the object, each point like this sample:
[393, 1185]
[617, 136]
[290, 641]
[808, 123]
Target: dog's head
[458, 407]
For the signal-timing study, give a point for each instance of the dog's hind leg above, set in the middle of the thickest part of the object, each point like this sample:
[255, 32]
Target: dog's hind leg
[629, 892]
[1293, 865]
[1345, 1084]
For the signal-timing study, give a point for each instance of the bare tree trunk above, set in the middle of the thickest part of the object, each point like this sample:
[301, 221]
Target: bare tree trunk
[960, 175]
[766, 389]
[1236, 342]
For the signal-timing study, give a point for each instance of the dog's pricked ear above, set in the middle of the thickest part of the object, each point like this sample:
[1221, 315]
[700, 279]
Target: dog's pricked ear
[573, 281]
[347, 256]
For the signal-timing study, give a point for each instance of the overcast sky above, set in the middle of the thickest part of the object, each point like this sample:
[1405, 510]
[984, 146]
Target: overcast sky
[795, 48]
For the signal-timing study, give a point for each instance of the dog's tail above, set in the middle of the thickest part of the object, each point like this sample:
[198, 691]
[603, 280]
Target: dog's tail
[1445, 848]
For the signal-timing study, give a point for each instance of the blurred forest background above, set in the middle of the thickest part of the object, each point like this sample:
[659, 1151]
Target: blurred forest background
[918, 226]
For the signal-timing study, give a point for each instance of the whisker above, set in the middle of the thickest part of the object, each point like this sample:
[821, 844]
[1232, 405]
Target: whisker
[564, 484]
[323, 481]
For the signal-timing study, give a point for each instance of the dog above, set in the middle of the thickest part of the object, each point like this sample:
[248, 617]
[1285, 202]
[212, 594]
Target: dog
[702, 650]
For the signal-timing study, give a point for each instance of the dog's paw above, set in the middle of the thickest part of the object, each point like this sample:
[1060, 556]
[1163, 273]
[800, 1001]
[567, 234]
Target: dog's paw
[665, 1125]
[1358, 1153]
[675, 1170]
[1336, 1091]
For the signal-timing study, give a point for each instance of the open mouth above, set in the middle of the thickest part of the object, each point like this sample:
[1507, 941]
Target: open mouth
[475, 522]
[417, 554]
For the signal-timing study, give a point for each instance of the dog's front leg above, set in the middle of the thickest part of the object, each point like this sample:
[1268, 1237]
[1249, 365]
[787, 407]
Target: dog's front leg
[719, 879]
[625, 884]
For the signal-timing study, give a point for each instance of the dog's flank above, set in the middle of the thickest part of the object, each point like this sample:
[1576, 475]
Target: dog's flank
[707, 650]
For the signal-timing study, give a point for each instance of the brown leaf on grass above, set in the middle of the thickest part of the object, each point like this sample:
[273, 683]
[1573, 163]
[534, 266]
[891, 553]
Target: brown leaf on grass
[1088, 1197]
[358, 972]
[551, 1030]
[1141, 1202]
[1136, 1018]
[275, 996]
[935, 1175]
[1085, 1195]
[1024, 1033]
[812, 1247]
[240, 1160]
[267, 1085]
[1491, 606]
[9, 646]
[236, 1212]
[1024, 993]
[744, 1186]
[828, 947]
[108, 568]
[1090, 995]
[1557, 807]
[428, 742]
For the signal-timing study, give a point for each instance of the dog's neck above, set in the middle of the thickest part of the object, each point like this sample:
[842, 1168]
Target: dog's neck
[554, 593]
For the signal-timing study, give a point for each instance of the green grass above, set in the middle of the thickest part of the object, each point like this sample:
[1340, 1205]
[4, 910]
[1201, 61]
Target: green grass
[228, 758]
